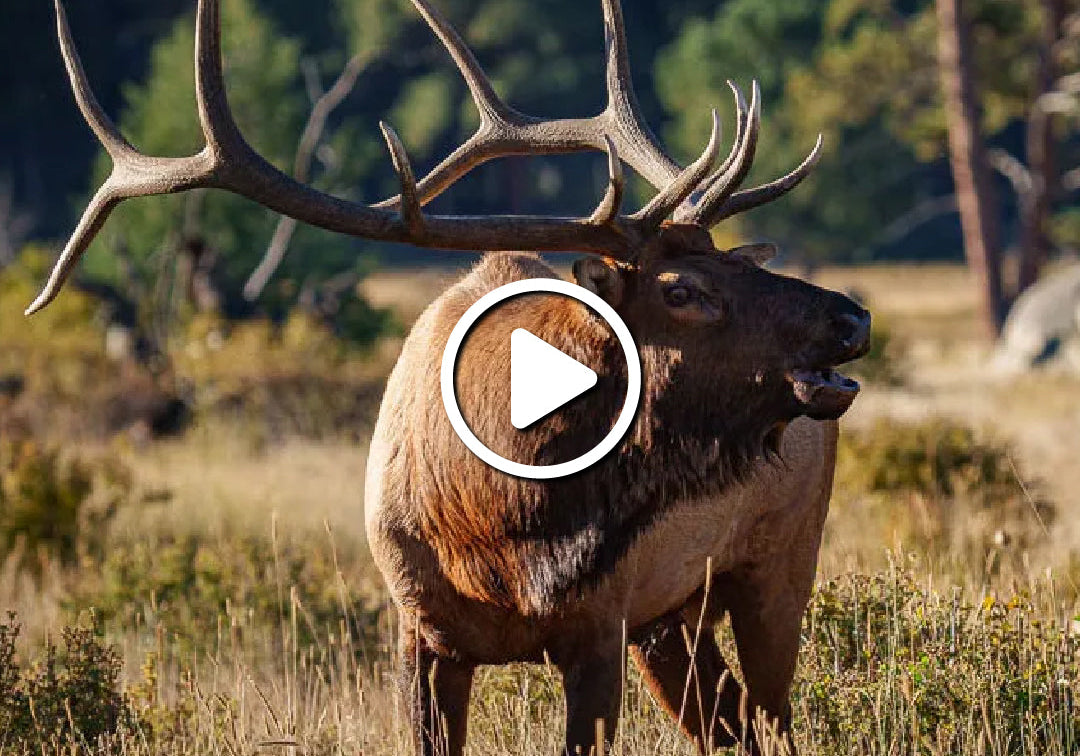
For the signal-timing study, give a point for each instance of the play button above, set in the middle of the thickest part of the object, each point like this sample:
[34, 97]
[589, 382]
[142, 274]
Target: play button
[542, 378]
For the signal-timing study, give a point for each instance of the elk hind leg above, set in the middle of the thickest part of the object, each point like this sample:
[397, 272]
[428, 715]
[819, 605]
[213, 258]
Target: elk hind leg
[435, 689]
[592, 680]
[690, 680]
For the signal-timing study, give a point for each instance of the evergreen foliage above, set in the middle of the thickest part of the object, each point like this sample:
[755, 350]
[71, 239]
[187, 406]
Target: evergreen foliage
[860, 71]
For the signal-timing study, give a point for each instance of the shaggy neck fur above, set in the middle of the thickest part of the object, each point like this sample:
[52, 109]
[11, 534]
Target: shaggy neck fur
[530, 544]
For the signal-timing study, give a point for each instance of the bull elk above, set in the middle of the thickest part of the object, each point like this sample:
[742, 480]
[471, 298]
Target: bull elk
[712, 503]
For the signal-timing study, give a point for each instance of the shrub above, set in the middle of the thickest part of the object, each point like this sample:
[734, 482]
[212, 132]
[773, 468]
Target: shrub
[56, 502]
[941, 491]
[297, 376]
[70, 696]
[296, 379]
[191, 584]
[890, 666]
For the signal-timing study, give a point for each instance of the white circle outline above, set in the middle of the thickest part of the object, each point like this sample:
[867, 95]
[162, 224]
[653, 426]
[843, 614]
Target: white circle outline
[553, 286]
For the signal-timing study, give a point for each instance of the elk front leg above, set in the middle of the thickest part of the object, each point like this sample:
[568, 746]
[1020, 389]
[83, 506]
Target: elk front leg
[435, 690]
[766, 607]
[766, 623]
[766, 600]
[592, 682]
[704, 700]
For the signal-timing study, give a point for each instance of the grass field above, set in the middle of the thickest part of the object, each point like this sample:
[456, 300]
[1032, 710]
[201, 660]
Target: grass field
[235, 609]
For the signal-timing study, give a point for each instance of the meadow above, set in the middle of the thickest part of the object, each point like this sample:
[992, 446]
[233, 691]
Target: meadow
[211, 592]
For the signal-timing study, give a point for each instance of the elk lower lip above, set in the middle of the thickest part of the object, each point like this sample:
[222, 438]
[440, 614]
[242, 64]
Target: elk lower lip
[810, 385]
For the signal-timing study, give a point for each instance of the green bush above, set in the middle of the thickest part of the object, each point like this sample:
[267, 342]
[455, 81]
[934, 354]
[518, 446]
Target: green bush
[58, 355]
[891, 666]
[68, 697]
[942, 491]
[300, 376]
[58, 503]
[1065, 228]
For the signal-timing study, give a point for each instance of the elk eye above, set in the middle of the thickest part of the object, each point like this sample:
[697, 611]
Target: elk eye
[678, 296]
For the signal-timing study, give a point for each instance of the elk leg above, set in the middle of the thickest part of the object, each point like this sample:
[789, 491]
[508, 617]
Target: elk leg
[592, 684]
[766, 620]
[435, 690]
[706, 705]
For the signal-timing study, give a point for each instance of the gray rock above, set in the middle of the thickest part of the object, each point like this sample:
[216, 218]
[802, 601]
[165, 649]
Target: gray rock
[1043, 325]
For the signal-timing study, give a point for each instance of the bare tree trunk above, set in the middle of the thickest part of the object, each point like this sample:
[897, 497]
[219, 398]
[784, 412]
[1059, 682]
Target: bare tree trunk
[974, 196]
[322, 105]
[1034, 244]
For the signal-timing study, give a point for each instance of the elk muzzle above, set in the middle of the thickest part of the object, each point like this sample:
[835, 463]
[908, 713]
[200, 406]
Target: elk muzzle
[819, 389]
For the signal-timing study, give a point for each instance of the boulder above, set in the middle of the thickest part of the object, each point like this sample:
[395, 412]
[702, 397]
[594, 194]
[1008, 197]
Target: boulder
[1043, 326]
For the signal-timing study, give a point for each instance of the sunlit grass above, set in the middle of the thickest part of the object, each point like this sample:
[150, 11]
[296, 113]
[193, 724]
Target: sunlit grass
[249, 618]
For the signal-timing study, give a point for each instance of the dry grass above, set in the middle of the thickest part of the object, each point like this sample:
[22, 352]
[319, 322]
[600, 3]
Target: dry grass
[247, 626]
[219, 482]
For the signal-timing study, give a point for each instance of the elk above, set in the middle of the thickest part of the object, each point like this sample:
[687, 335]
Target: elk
[712, 503]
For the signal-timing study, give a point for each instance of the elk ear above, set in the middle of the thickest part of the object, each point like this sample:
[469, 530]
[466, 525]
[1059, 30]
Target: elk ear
[602, 277]
[759, 254]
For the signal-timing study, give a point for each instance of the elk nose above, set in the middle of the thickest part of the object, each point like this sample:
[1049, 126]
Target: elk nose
[853, 330]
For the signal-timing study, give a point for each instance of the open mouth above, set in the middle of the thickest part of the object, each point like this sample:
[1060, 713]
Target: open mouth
[824, 393]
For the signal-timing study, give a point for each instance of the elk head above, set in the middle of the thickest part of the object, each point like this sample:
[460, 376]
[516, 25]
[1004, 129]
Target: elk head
[731, 349]
[665, 276]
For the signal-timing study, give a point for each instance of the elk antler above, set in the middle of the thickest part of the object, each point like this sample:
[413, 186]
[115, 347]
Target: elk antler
[229, 162]
[718, 199]
[504, 131]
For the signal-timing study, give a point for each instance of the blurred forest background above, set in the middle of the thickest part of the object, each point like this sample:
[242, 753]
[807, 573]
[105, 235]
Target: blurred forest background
[183, 432]
[886, 82]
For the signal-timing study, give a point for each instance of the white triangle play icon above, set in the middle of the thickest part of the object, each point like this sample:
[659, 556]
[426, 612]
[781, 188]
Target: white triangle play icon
[542, 378]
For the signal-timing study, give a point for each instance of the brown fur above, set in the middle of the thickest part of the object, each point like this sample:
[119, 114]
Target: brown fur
[487, 568]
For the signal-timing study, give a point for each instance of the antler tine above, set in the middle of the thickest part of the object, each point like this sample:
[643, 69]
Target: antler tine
[686, 210]
[742, 115]
[215, 116]
[93, 218]
[133, 174]
[411, 213]
[661, 206]
[620, 89]
[104, 128]
[724, 183]
[639, 145]
[608, 210]
[752, 125]
[491, 107]
[506, 131]
[760, 195]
